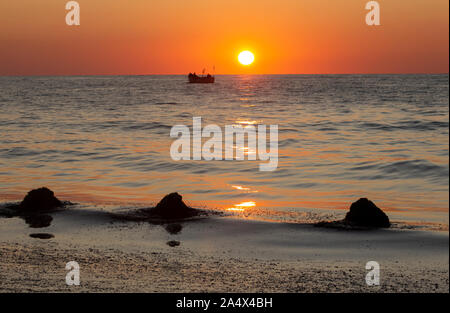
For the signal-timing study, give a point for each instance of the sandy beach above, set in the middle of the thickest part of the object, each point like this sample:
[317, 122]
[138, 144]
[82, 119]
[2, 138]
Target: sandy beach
[216, 254]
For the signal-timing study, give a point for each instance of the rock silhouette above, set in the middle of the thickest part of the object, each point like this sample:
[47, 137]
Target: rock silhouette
[170, 209]
[41, 199]
[365, 213]
[35, 207]
[173, 207]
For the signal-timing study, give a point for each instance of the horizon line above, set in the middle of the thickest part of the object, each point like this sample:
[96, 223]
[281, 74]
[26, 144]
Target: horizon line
[260, 74]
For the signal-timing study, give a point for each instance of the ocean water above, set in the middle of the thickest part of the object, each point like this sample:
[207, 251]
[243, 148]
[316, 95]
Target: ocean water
[104, 140]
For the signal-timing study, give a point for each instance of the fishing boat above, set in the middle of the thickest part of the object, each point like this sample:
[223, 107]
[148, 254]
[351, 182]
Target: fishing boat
[195, 79]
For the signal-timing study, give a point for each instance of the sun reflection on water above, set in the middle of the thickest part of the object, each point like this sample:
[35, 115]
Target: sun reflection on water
[242, 206]
[246, 123]
[240, 188]
[245, 189]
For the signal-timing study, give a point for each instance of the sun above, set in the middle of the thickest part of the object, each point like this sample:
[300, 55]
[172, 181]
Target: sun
[246, 58]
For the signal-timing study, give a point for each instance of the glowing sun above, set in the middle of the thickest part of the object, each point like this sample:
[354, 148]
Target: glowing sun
[246, 58]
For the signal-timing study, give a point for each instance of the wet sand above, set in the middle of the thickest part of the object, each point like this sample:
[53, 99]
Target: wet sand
[216, 254]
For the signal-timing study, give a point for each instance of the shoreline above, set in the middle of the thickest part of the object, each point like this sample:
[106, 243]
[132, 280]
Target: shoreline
[299, 216]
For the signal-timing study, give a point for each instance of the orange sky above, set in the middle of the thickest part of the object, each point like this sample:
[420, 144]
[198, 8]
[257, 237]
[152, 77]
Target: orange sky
[179, 36]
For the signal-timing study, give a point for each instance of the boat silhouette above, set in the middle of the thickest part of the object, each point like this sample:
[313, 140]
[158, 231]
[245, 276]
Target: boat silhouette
[195, 79]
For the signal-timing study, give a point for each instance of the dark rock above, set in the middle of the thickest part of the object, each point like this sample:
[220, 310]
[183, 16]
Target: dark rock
[173, 207]
[42, 199]
[172, 201]
[365, 213]
[35, 207]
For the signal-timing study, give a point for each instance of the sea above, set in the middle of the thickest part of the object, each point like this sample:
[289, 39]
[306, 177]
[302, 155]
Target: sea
[104, 142]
